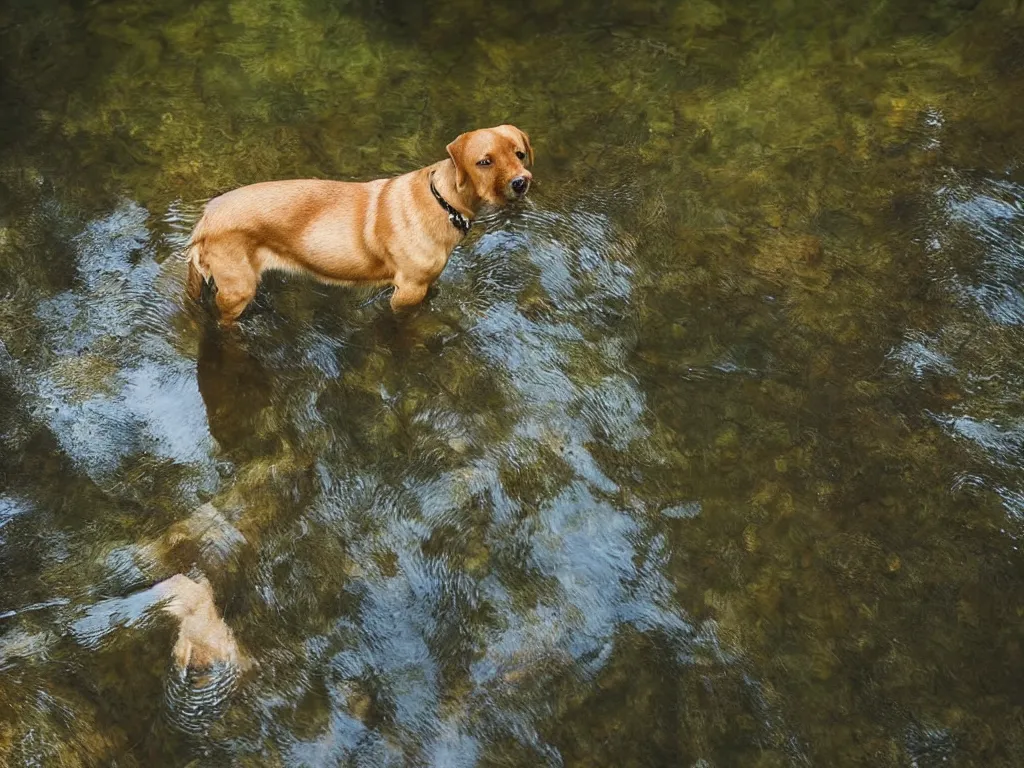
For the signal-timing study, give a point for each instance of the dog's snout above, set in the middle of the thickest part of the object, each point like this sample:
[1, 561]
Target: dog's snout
[520, 184]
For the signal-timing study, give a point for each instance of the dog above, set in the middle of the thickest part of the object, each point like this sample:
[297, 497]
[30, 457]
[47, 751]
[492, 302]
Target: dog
[400, 230]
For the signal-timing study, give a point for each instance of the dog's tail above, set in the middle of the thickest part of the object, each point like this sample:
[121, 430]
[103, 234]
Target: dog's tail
[198, 274]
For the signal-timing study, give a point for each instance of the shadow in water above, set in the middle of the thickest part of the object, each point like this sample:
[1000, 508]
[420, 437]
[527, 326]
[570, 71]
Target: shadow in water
[707, 454]
[236, 389]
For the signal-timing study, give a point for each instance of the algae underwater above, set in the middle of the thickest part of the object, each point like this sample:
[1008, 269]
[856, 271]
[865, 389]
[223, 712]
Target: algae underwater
[708, 456]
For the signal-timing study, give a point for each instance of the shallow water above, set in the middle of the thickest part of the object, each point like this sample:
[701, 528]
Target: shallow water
[708, 455]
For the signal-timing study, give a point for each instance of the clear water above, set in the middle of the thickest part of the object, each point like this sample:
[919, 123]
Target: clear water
[711, 455]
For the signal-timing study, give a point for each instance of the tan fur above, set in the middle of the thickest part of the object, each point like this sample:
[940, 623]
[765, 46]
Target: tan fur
[197, 275]
[203, 637]
[388, 231]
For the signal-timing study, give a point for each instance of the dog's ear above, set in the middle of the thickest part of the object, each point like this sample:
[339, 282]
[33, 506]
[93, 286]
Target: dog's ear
[457, 152]
[526, 140]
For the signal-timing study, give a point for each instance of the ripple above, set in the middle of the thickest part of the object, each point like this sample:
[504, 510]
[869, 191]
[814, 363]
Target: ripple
[987, 216]
[1004, 444]
[95, 627]
[196, 699]
[179, 219]
[920, 355]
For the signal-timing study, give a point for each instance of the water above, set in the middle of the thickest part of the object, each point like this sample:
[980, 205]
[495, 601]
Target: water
[709, 455]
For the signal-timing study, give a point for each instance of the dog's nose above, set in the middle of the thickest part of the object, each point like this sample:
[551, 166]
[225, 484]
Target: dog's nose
[519, 184]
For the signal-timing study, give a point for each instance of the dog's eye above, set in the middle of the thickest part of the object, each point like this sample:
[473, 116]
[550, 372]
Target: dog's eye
[485, 161]
[521, 155]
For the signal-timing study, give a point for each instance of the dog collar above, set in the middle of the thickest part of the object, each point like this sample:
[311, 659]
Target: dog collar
[458, 221]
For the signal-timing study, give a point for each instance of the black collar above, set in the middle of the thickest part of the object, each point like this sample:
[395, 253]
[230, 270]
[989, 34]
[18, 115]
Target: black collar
[458, 221]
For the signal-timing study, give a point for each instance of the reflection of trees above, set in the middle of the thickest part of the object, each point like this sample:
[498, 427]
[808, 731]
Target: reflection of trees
[966, 364]
[455, 545]
[426, 504]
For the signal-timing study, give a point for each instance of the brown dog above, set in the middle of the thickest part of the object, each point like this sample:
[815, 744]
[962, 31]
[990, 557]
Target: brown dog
[399, 230]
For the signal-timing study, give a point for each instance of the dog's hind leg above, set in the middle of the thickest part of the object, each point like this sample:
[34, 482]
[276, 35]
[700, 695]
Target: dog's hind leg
[235, 277]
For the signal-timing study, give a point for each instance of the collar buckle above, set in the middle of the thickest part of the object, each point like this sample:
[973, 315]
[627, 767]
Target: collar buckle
[457, 220]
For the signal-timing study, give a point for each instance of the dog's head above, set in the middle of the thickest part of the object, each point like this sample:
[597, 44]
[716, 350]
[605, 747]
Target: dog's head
[492, 161]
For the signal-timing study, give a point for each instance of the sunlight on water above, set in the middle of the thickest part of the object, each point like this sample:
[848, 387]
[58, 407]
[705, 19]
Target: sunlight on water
[706, 454]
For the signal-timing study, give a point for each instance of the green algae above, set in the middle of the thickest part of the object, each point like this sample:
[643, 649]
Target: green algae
[727, 303]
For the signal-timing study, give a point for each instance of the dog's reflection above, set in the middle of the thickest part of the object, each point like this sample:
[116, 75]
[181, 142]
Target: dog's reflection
[237, 391]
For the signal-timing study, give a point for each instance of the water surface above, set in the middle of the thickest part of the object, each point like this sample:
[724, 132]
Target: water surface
[709, 455]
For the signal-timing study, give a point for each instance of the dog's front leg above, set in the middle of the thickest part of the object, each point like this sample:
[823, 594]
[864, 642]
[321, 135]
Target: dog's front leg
[408, 293]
